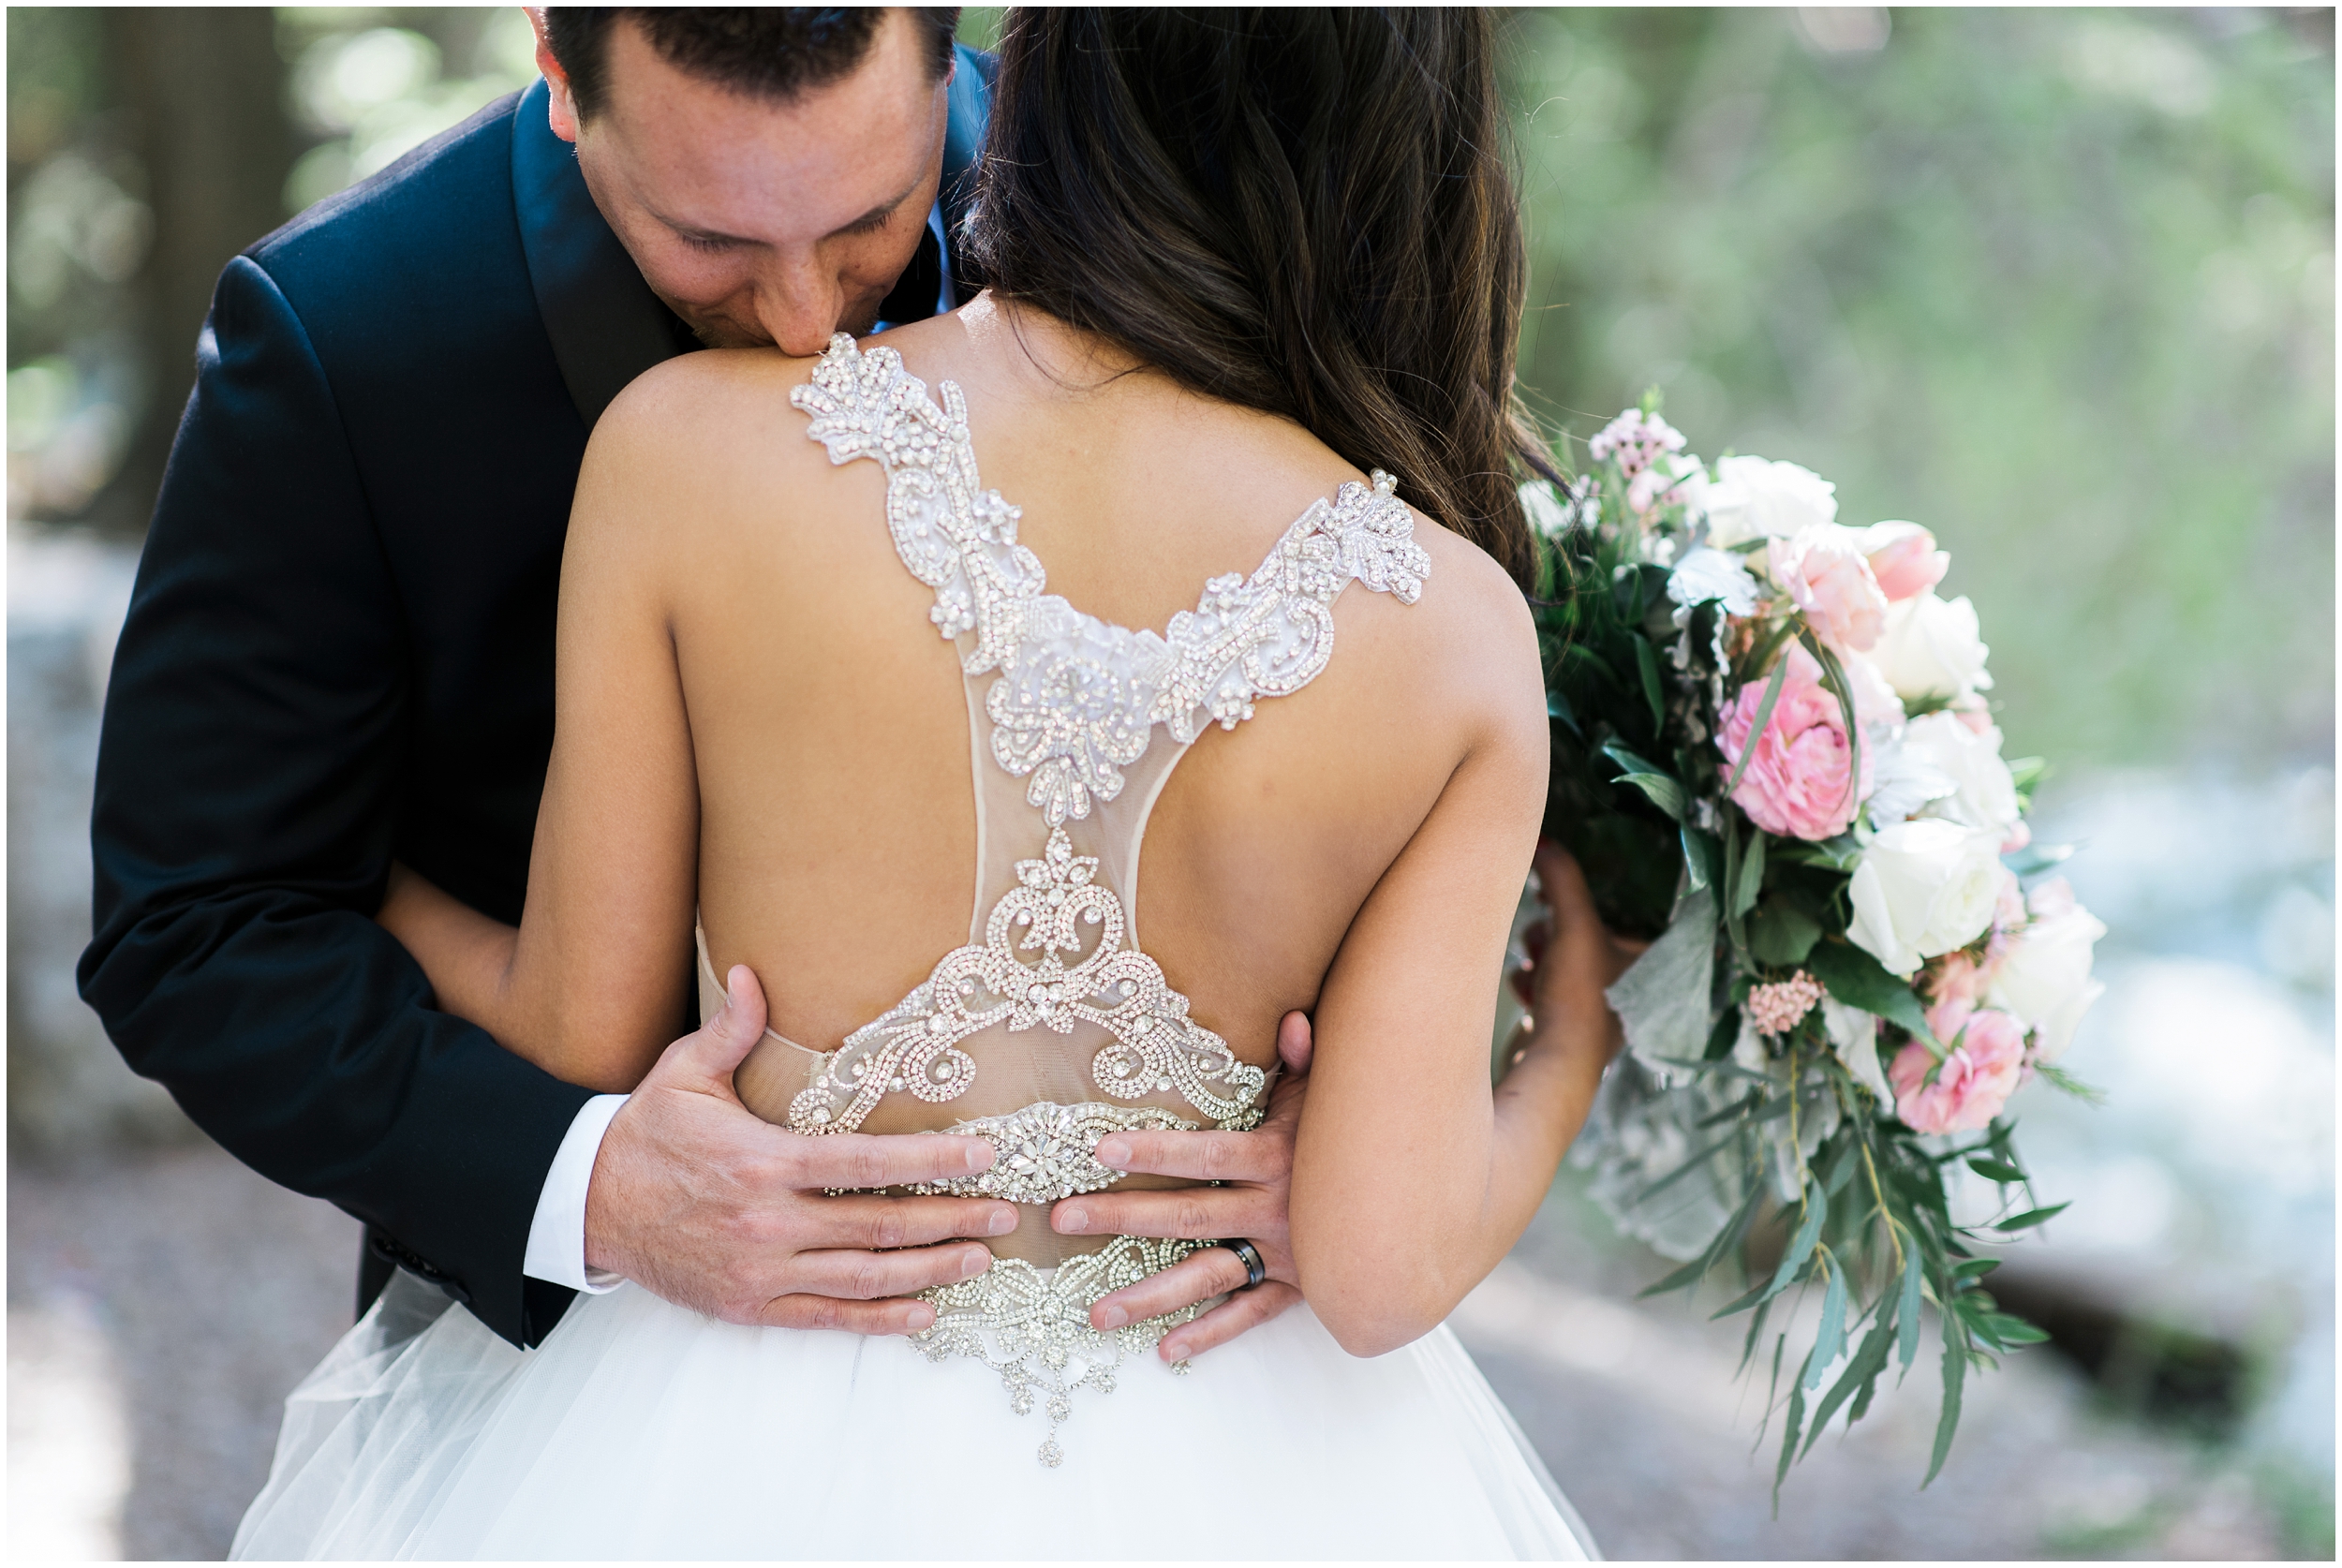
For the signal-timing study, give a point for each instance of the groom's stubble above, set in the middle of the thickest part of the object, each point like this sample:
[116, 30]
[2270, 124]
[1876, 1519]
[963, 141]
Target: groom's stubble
[763, 222]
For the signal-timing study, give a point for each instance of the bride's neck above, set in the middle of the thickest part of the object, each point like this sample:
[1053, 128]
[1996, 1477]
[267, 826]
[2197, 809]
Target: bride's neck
[1055, 358]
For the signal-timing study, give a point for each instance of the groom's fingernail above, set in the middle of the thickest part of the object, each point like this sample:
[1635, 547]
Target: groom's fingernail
[1113, 1153]
[1071, 1221]
[979, 1155]
[1003, 1220]
[1113, 1317]
[975, 1262]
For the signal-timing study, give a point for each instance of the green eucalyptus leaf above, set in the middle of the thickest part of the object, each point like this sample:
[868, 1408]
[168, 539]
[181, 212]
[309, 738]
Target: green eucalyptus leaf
[1996, 1171]
[1861, 1373]
[2015, 1331]
[1688, 1166]
[1802, 1247]
[1830, 1337]
[1789, 1443]
[1907, 1309]
[1755, 1332]
[1956, 1371]
[1557, 706]
[1974, 1268]
[2032, 1216]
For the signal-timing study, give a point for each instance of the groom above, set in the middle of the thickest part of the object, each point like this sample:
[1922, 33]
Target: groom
[340, 653]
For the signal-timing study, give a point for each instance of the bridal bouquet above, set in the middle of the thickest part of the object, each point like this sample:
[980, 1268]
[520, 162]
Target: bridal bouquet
[1773, 754]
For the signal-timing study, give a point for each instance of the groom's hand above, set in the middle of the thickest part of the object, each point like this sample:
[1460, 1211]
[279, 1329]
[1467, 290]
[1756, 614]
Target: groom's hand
[701, 1202]
[1256, 1172]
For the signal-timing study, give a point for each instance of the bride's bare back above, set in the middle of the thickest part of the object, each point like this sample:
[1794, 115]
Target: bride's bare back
[758, 722]
[838, 842]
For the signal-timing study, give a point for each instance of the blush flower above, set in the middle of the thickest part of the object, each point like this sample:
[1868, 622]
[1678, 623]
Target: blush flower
[1826, 576]
[1776, 1008]
[1968, 1089]
[1636, 439]
[1904, 558]
[1798, 783]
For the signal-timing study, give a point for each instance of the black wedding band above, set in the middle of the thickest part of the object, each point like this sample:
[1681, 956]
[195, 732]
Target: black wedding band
[1249, 1255]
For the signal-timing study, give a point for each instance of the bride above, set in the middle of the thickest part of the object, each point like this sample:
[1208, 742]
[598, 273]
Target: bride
[849, 679]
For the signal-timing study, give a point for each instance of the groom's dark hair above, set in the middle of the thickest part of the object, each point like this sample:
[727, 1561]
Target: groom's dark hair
[1303, 211]
[768, 52]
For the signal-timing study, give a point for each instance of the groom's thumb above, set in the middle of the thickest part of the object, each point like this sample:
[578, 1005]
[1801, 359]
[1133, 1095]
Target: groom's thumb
[723, 1040]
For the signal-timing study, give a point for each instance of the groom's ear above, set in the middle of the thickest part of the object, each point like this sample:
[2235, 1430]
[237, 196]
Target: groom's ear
[562, 109]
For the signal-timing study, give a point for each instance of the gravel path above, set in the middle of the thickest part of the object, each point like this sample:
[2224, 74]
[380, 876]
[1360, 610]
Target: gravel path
[192, 1294]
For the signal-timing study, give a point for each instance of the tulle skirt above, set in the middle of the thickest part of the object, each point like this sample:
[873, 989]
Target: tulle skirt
[640, 1430]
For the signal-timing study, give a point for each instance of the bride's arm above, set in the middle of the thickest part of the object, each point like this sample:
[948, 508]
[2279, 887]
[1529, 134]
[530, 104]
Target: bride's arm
[1410, 1177]
[591, 985]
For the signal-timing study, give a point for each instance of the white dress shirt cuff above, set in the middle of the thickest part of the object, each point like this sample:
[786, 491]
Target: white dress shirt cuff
[557, 1236]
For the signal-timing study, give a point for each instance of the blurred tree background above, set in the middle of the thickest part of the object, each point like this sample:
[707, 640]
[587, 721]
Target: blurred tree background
[149, 144]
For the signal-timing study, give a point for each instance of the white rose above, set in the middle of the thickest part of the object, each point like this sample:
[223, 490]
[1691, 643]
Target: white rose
[1984, 795]
[1931, 649]
[1921, 888]
[2044, 977]
[1754, 498]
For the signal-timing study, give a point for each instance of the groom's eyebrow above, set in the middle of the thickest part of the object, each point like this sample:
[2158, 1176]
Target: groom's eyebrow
[873, 219]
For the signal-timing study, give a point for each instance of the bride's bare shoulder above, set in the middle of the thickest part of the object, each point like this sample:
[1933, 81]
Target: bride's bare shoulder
[706, 451]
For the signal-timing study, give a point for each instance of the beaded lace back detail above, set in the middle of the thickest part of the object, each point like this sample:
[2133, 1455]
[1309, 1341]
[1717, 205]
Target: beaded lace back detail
[1052, 1005]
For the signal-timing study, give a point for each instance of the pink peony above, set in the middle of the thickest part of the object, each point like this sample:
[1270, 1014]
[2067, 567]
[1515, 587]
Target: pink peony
[1904, 558]
[1823, 571]
[1973, 1083]
[1797, 785]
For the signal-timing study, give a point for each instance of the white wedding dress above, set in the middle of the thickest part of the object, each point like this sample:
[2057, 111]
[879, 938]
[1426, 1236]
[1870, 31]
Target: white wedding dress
[1011, 1429]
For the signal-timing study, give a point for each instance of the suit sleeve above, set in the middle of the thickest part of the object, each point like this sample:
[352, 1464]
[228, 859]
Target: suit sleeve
[246, 802]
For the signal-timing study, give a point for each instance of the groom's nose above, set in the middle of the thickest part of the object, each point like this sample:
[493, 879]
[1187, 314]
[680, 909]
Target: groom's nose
[800, 303]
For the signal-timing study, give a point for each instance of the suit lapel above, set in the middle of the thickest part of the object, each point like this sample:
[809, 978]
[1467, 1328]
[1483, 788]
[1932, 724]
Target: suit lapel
[606, 325]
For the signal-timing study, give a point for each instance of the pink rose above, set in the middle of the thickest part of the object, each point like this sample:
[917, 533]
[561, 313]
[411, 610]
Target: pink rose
[1824, 572]
[1903, 559]
[1972, 1084]
[1797, 784]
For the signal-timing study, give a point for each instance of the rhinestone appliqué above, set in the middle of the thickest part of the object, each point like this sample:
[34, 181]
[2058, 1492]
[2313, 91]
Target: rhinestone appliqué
[1077, 697]
[1034, 1328]
[1045, 1151]
[1156, 1048]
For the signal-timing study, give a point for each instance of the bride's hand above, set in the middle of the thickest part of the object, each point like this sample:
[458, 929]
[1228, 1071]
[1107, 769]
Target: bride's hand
[1256, 1169]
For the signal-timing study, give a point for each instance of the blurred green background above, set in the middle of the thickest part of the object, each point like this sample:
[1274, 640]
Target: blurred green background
[2057, 283]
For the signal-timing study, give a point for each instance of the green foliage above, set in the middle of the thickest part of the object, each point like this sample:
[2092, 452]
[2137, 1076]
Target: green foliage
[2057, 283]
[1872, 1227]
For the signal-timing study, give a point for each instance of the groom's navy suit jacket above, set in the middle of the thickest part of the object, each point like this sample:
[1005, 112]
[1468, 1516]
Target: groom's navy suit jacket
[340, 651]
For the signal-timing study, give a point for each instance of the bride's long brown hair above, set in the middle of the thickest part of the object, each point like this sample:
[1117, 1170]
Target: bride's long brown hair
[1305, 210]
